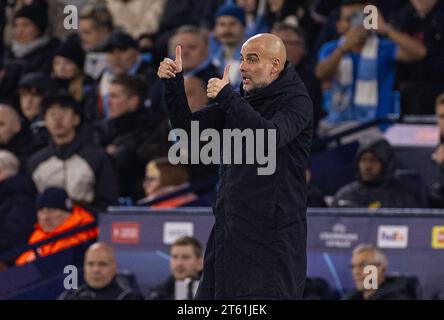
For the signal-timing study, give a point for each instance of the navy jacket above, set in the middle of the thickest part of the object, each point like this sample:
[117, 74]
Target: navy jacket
[257, 248]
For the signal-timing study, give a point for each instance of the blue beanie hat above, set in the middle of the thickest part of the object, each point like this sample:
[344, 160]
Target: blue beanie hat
[54, 198]
[231, 10]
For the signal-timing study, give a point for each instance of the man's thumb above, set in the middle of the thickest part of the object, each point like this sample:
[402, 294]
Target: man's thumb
[226, 72]
[178, 54]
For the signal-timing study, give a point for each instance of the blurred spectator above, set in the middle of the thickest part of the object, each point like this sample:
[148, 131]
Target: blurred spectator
[295, 44]
[101, 279]
[437, 190]
[71, 160]
[95, 26]
[137, 17]
[229, 34]
[16, 138]
[195, 59]
[196, 92]
[30, 46]
[186, 262]
[67, 70]
[376, 186]
[32, 89]
[17, 215]
[133, 135]
[315, 198]
[421, 82]
[163, 179]
[56, 215]
[255, 20]
[124, 58]
[359, 68]
[388, 288]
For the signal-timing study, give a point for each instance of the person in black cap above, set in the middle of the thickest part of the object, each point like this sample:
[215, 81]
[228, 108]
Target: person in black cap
[57, 214]
[124, 58]
[71, 160]
[30, 45]
[67, 70]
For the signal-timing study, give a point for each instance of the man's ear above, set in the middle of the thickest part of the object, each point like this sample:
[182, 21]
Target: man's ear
[133, 102]
[276, 66]
[76, 120]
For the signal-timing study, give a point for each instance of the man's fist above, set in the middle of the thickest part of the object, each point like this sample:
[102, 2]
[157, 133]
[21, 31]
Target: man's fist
[168, 68]
[215, 85]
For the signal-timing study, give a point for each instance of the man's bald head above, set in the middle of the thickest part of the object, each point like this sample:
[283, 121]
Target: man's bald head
[262, 60]
[9, 123]
[100, 265]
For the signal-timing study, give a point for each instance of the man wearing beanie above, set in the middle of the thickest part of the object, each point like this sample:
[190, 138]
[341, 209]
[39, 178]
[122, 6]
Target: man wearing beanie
[30, 45]
[225, 44]
[71, 161]
[55, 215]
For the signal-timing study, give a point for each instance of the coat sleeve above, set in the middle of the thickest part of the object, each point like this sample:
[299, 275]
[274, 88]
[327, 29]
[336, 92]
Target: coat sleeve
[179, 112]
[292, 117]
[106, 192]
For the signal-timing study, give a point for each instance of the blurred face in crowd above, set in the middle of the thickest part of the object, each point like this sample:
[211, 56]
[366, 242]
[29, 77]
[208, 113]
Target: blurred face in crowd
[61, 122]
[120, 102]
[249, 6]
[50, 219]
[25, 31]
[64, 68]
[90, 35]
[275, 5]
[194, 49]
[229, 30]
[120, 61]
[184, 263]
[370, 167]
[196, 93]
[262, 58]
[30, 103]
[294, 45]
[423, 6]
[440, 117]
[9, 124]
[151, 183]
[100, 266]
[346, 13]
[362, 259]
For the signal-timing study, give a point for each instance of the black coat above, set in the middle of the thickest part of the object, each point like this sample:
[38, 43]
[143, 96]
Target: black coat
[17, 212]
[393, 288]
[257, 248]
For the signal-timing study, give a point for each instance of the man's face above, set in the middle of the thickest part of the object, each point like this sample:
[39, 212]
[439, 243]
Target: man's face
[294, 45]
[61, 122]
[50, 219]
[346, 12]
[440, 118]
[9, 126]
[64, 68]
[30, 103]
[256, 66]
[423, 6]
[359, 261]
[120, 61]
[25, 31]
[229, 30]
[90, 35]
[184, 263]
[194, 49]
[119, 102]
[100, 268]
[370, 167]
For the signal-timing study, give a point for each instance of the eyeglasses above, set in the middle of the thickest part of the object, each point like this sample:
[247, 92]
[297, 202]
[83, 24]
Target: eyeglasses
[363, 265]
[150, 179]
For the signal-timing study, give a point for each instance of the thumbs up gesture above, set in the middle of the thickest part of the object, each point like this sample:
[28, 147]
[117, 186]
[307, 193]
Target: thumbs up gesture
[215, 85]
[168, 68]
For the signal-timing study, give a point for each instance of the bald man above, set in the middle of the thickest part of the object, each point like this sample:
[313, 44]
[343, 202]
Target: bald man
[14, 137]
[101, 280]
[257, 247]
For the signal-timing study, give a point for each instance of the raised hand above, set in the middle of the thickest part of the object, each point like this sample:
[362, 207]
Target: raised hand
[168, 68]
[215, 85]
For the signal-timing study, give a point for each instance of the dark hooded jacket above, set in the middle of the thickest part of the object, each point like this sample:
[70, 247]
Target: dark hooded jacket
[17, 212]
[393, 288]
[436, 192]
[257, 247]
[386, 192]
[83, 169]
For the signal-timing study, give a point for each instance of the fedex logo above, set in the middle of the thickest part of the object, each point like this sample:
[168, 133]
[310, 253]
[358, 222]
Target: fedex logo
[394, 237]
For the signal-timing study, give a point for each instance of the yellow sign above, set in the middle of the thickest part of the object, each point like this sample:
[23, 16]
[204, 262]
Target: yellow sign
[438, 237]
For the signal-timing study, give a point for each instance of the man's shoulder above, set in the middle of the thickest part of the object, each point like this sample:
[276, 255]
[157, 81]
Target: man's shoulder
[327, 48]
[40, 156]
